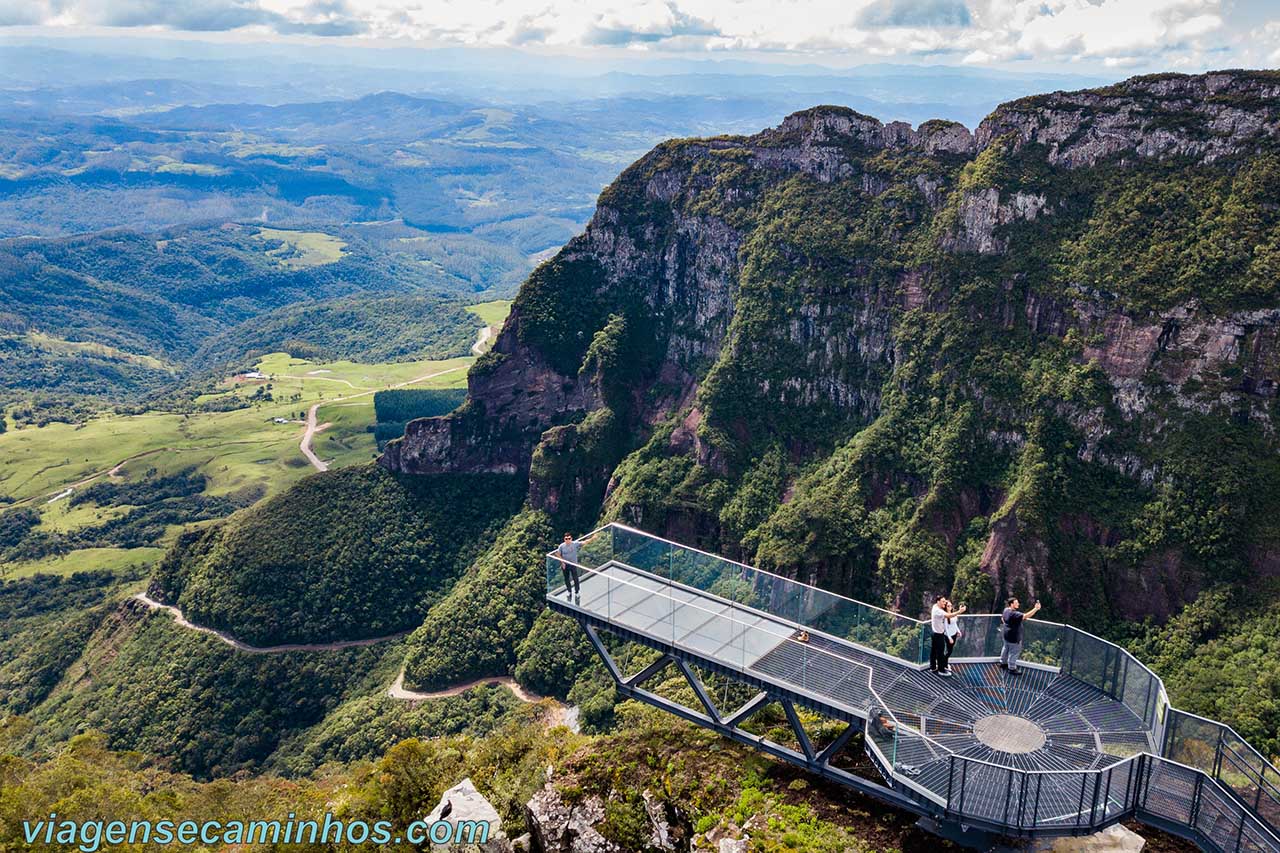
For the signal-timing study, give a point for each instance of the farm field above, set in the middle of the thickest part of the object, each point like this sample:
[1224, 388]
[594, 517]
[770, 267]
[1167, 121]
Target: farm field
[247, 451]
[492, 313]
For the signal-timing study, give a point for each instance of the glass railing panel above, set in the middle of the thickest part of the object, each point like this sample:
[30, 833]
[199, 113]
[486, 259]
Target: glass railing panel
[1139, 690]
[643, 552]
[1119, 789]
[979, 637]
[1088, 659]
[1249, 775]
[555, 582]
[1041, 642]
[597, 550]
[787, 599]
[1193, 741]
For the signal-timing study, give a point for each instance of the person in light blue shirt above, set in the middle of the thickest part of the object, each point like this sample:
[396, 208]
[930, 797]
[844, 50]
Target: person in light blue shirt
[568, 551]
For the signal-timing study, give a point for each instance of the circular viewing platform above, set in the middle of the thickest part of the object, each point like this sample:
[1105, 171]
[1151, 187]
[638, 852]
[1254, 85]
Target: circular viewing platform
[1083, 735]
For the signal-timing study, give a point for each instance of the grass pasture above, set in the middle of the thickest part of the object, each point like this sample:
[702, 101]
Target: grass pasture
[244, 448]
[492, 313]
[301, 249]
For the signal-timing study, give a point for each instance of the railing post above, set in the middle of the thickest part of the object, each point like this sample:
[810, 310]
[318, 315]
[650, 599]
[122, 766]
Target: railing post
[1240, 831]
[1144, 781]
[1035, 813]
[1217, 757]
[1195, 800]
[951, 775]
[1170, 731]
[1139, 773]
[1008, 790]
[1022, 804]
[964, 772]
[1093, 809]
[1084, 781]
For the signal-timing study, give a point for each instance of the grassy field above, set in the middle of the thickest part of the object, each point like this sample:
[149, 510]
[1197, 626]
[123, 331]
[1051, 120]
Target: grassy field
[492, 313]
[109, 559]
[48, 343]
[302, 249]
[244, 448]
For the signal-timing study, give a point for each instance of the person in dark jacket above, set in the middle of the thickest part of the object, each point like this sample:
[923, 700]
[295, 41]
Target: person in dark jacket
[1012, 619]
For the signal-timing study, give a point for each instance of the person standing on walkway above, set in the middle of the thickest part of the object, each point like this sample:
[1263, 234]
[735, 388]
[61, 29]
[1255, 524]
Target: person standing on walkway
[1012, 619]
[568, 552]
[939, 615]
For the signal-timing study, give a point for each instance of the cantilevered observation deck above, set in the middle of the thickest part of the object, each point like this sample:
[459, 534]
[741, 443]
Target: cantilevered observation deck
[1084, 737]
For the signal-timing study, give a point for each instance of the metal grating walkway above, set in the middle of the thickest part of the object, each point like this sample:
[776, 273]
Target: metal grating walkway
[1083, 727]
[1081, 738]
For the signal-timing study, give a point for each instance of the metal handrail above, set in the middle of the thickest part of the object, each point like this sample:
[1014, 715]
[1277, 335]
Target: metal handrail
[1082, 770]
[781, 637]
[1226, 728]
[1157, 691]
[619, 525]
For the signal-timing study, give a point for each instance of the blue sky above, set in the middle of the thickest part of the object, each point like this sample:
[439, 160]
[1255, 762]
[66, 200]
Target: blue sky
[1081, 35]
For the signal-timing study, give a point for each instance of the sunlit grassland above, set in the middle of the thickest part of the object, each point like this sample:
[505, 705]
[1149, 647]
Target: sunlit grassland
[302, 249]
[240, 448]
[492, 313]
[86, 559]
[49, 343]
[347, 439]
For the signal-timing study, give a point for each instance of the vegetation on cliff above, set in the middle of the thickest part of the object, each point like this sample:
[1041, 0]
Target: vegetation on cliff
[1038, 360]
[343, 555]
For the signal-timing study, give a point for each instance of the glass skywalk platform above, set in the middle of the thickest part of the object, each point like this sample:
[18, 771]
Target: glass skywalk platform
[1082, 737]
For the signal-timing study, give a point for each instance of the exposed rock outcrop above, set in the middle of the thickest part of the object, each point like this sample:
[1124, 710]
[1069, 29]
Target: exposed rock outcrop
[464, 807]
[558, 826]
[1204, 117]
[751, 309]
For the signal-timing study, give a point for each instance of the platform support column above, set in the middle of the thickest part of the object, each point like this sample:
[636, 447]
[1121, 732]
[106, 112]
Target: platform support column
[802, 737]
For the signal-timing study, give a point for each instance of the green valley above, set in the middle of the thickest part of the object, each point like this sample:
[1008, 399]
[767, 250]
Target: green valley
[277, 499]
[243, 438]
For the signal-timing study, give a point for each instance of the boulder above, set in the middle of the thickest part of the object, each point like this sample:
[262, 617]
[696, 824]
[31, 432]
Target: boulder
[463, 803]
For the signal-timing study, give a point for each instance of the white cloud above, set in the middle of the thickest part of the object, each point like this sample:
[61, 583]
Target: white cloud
[1105, 32]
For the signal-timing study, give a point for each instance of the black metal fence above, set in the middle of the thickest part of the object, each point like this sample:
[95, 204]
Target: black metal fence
[1157, 790]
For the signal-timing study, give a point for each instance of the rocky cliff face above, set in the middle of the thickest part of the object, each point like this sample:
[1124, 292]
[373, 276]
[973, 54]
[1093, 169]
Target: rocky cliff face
[902, 360]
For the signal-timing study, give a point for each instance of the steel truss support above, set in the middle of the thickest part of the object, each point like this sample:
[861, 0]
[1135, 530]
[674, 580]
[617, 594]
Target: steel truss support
[710, 717]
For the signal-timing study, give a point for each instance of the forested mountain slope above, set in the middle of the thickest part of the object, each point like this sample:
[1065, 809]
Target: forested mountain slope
[119, 314]
[1038, 358]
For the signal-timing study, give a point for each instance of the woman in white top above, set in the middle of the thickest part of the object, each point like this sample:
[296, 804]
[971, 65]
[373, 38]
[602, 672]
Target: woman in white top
[939, 616]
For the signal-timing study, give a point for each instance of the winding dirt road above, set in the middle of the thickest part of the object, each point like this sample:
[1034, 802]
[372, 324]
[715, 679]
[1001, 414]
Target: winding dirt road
[64, 491]
[261, 650]
[481, 339]
[562, 715]
[309, 433]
